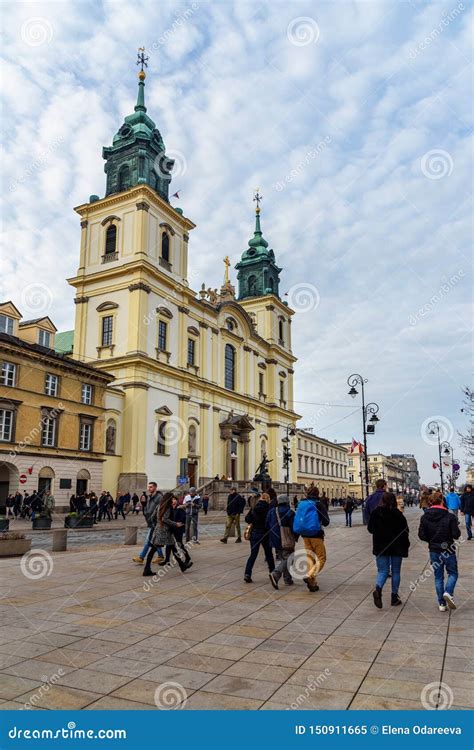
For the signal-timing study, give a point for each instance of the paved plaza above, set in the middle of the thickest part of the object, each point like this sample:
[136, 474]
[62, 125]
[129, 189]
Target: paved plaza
[92, 633]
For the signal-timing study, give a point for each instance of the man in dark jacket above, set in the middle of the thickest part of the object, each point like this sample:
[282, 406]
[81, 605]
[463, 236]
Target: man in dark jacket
[154, 499]
[374, 499]
[235, 506]
[279, 517]
[440, 529]
[467, 507]
[314, 544]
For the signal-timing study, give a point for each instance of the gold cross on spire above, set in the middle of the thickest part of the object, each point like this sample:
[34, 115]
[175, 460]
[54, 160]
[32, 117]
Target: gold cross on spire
[257, 197]
[227, 266]
[142, 58]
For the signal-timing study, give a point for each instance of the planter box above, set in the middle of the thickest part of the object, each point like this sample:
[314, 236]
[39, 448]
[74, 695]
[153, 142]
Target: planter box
[14, 547]
[41, 523]
[4, 524]
[78, 523]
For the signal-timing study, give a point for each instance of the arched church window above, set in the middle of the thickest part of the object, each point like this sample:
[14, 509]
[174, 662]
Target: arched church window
[229, 362]
[252, 286]
[263, 448]
[280, 331]
[124, 178]
[165, 246]
[111, 240]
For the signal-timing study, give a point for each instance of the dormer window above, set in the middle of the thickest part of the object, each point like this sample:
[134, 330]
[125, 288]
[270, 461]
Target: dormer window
[44, 338]
[6, 325]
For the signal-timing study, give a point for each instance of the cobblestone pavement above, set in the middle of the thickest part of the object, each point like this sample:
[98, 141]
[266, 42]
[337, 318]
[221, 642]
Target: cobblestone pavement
[84, 629]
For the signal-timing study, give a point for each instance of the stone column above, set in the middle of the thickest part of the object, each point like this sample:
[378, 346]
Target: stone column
[245, 440]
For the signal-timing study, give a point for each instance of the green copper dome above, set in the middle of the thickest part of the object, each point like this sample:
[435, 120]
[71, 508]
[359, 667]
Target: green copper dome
[137, 155]
[258, 273]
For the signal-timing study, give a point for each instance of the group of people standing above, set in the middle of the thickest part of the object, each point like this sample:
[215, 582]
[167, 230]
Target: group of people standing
[29, 506]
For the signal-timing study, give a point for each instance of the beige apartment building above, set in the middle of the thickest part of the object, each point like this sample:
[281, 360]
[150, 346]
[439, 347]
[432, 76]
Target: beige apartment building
[321, 462]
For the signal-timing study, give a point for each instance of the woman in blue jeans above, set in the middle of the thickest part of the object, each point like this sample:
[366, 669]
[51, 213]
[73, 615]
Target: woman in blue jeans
[259, 536]
[389, 530]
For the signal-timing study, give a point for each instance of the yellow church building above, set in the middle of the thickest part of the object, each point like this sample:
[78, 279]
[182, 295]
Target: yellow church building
[203, 380]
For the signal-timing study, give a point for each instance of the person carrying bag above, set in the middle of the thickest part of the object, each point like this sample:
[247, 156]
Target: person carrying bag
[280, 520]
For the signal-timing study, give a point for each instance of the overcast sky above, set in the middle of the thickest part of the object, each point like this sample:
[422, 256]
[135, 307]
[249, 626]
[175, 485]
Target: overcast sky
[353, 118]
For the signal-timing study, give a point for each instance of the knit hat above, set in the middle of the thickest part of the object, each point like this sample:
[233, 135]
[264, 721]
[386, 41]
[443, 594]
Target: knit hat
[313, 493]
[282, 500]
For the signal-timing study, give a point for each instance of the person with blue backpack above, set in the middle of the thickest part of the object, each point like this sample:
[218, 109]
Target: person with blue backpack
[311, 516]
[280, 519]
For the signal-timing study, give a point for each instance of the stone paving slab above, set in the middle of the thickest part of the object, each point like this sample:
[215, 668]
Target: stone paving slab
[111, 639]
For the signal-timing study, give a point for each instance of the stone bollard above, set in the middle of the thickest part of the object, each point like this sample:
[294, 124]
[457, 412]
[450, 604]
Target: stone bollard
[59, 540]
[131, 535]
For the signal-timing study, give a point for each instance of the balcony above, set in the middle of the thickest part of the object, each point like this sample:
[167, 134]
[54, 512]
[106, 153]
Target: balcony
[109, 257]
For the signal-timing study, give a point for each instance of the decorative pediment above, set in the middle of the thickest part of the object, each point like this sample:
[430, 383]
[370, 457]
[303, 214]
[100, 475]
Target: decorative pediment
[168, 228]
[164, 311]
[194, 331]
[8, 308]
[237, 422]
[110, 220]
[165, 410]
[106, 306]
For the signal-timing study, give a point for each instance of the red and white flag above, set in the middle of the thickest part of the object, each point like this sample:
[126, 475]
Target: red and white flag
[435, 465]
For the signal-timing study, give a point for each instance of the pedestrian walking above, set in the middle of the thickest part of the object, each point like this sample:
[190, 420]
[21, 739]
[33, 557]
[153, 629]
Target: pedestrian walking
[374, 499]
[179, 515]
[235, 506]
[400, 503]
[282, 539]
[311, 516]
[192, 505]
[440, 529]
[254, 497]
[467, 507]
[205, 503]
[425, 499]
[348, 506]
[135, 501]
[120, 507]
[153, 501]
[162, 535]
[48, 504]
[17, 503]
[390, 543]
[453, 502]
[259, 536]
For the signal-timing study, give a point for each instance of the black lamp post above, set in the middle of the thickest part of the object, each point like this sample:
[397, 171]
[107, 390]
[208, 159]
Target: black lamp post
[447, 450]
[434, 429]
[290, 430]
[367, 409]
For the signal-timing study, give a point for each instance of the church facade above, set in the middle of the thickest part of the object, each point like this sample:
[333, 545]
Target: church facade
[203, 380]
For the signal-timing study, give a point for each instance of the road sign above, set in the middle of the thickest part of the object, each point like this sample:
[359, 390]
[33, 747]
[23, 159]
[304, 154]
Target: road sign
[182, 480]
[23, 478]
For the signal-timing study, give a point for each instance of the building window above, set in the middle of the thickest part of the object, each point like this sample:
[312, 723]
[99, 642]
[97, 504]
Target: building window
[261, 384]
[162, 335]
[44, 338]
[351, 462]
[192, 440]
[86, 393]
[124, 178]
[300, 461]
[8, 376]
[110, 437]
[282, 397]
[85, 436]
[6, 324]
[351, 477]
[107, 330]
[165, 247]
[306, 464]
[280, 331]
[111, 240]
[229, 367]
[48, 434]
[191, 351]
[6, 425]
[161, 441]
[312, 465]
[51, 384]
[252, 286]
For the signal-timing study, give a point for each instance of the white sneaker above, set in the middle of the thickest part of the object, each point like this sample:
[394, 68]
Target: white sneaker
[442, 608]
[449, 600]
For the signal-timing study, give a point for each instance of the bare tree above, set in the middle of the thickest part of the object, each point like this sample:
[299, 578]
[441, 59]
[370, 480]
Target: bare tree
[467, 435]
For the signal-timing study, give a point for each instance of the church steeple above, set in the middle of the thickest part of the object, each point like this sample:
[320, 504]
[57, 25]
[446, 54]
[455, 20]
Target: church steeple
[258, 273]
[137, 155]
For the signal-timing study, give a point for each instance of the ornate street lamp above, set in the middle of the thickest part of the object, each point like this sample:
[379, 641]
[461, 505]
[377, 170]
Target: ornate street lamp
[290, 431]
[370, 409]
[434, 429]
